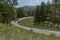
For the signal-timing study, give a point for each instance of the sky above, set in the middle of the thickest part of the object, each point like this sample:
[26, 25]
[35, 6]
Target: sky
[22, 3]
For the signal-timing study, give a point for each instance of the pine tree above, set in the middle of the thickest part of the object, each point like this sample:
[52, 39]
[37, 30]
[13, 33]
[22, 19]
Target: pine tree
[55, 5]
[37, 15]
[20, 12]
[43, 12]
[48, 13]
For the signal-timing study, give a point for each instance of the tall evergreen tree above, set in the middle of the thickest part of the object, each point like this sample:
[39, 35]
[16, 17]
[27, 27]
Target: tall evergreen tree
[55, 5]
[20, 12]
[37, 15]
[48, 13]
[40, 14]
[43, 12]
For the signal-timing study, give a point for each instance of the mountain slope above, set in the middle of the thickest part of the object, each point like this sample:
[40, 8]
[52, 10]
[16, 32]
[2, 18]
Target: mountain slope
[29, 7]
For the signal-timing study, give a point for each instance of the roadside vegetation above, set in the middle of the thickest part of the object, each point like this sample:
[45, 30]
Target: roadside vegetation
[29, 22]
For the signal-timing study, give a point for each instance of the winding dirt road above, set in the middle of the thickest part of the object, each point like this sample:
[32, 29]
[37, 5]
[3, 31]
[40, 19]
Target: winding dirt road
[40, 31]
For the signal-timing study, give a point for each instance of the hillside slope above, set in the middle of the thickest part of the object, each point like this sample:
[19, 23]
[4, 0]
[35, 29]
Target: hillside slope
[8, 32]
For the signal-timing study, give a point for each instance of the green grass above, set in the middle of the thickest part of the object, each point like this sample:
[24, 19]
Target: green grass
[29, 23]
[8, 32]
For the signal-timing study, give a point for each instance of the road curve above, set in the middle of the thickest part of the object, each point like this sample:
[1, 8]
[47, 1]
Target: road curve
[40, 31]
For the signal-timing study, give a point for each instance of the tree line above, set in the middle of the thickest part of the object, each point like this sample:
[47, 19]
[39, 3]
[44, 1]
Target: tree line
[21, 12]
[48, 12]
